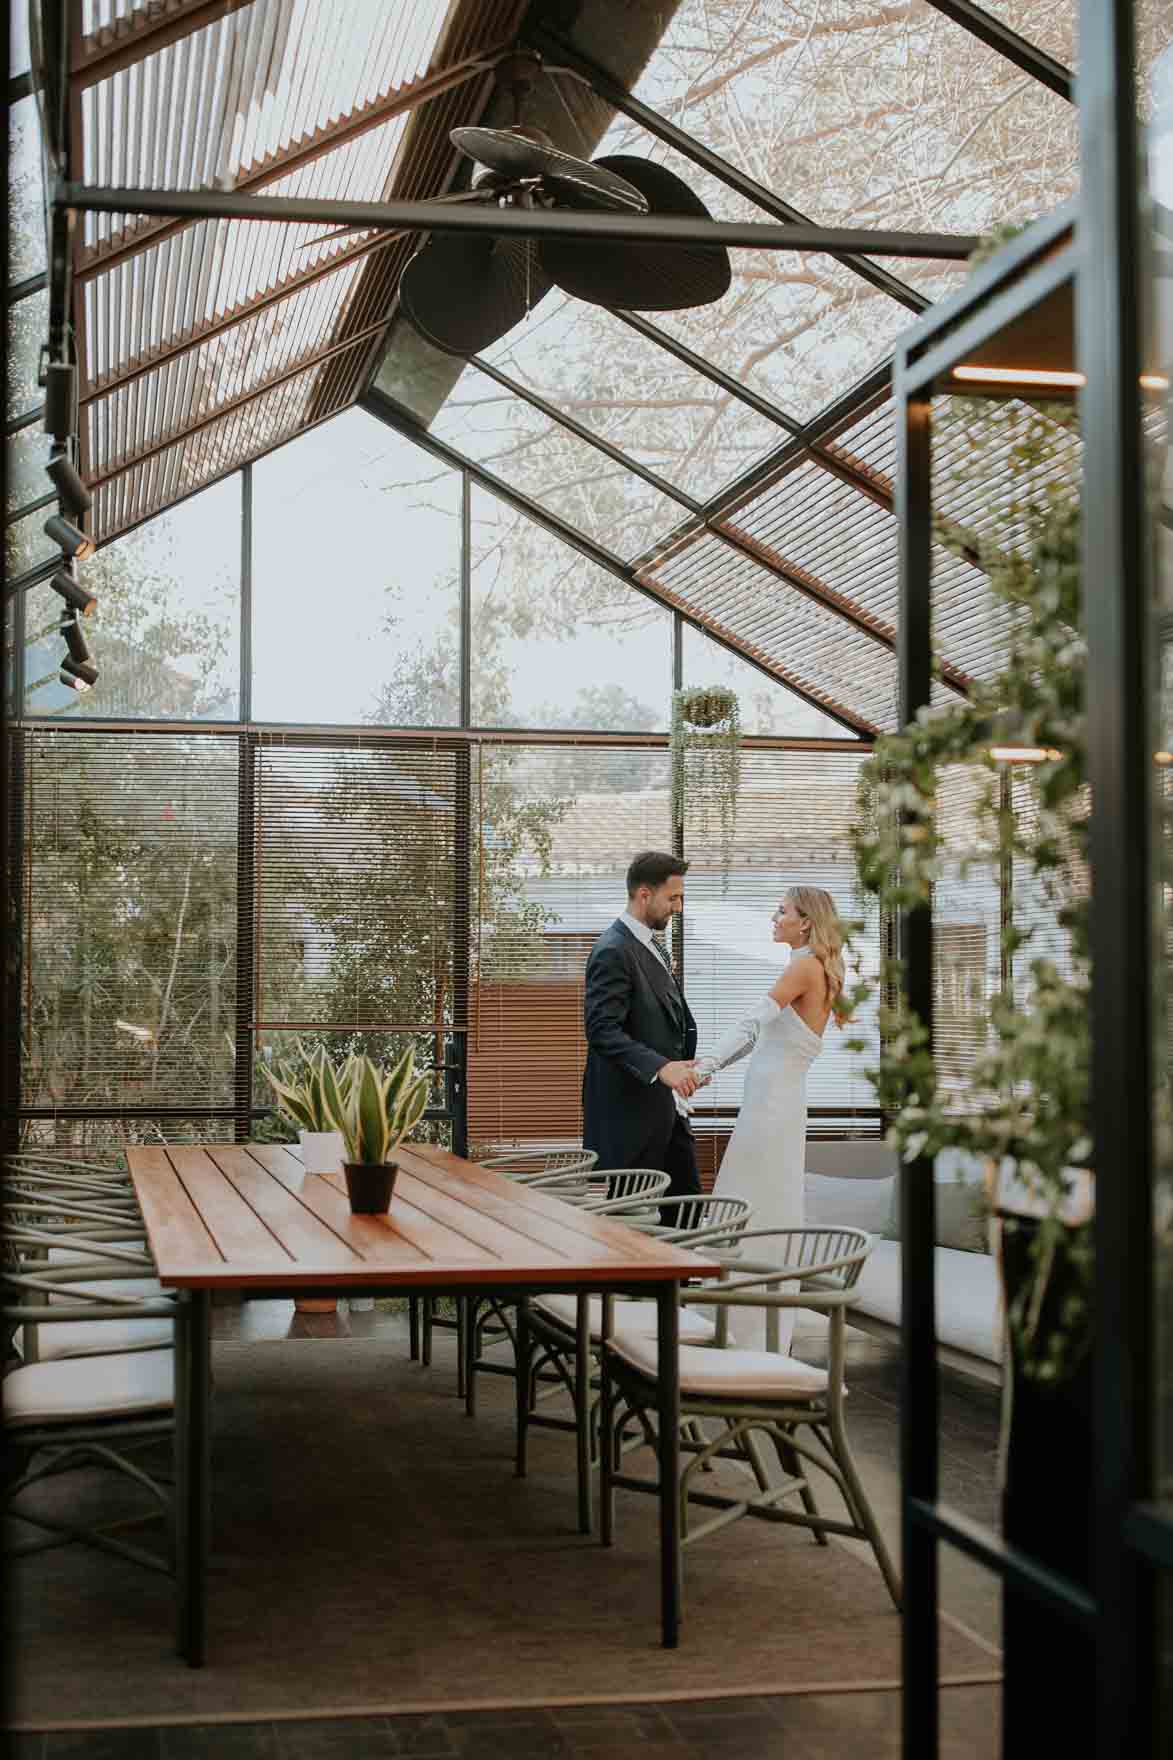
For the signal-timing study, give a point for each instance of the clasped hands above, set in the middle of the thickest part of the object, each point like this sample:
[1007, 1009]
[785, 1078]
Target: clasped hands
[687, 1075]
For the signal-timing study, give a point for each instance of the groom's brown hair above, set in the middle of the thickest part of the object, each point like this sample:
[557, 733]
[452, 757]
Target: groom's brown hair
[652, 867]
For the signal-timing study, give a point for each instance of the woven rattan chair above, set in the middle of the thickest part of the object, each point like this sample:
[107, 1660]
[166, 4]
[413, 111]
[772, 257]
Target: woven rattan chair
[562, 1337]
[796, 1408]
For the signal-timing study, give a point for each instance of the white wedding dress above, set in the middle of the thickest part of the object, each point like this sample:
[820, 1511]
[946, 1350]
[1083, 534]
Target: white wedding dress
[766, 1158]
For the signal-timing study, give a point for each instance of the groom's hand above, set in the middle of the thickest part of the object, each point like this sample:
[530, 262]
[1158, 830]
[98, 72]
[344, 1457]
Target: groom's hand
[681, 1077]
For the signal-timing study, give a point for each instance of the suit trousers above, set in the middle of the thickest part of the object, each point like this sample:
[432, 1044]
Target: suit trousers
[679, 1162]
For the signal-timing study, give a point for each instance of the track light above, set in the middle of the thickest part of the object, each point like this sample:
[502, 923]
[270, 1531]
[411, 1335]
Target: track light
[74, 543]
[60, 382]
[82, 674]
[75, 684]
[74, 639]
[73, 592]
[69, 486]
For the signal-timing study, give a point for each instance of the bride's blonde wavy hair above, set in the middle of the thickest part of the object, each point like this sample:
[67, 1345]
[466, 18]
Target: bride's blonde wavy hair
[825, 940]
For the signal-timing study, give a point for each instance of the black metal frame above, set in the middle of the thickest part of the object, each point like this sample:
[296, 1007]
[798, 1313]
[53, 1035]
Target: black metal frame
[1133, 1536]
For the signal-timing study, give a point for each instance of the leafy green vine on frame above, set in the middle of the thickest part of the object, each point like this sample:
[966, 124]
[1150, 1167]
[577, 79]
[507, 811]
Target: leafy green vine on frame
[1029, 1084]
[706, 763]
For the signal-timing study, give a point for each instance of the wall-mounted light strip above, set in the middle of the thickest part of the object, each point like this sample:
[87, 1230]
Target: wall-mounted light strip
[1042, 376]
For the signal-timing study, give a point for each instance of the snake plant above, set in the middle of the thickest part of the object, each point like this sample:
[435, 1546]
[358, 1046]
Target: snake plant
[375, 1109]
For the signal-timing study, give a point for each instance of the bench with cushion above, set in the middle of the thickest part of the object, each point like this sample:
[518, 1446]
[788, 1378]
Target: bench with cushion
[854, 1184]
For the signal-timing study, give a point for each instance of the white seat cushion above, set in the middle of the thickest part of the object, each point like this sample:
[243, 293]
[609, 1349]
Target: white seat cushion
[729, 1374]
[969, 1312]
[627, 1317]
[96, 1338]
[78, 1388]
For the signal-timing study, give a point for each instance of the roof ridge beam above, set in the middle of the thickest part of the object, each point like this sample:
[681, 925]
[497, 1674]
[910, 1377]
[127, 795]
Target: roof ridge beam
[555, 47]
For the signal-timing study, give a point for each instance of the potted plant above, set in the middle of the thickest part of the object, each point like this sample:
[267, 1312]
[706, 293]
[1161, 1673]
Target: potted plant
[706, 762]
[299, 1090]
[374, 1110]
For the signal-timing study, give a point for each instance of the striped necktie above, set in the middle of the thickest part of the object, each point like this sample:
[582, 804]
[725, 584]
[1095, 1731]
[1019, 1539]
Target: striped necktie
[661, 948]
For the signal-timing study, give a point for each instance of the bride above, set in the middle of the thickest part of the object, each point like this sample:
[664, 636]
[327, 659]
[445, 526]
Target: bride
[766, 1158]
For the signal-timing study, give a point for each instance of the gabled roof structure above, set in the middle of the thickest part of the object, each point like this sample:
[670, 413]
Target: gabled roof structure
[735, 461]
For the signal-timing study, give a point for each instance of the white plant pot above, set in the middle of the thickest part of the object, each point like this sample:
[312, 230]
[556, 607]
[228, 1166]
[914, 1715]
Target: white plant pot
[321, 1151]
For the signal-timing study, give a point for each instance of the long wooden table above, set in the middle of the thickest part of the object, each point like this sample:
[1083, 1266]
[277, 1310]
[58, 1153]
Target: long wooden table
[246, 1216]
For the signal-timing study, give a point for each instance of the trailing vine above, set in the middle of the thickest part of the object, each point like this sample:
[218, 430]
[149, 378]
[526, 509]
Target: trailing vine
[1029, 1098]
[706, 763]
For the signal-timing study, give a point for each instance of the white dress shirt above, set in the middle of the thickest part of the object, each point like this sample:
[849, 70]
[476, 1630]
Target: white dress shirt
[644, 934]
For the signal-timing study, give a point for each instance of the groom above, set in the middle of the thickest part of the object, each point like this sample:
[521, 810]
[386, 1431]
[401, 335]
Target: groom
[641, 1037]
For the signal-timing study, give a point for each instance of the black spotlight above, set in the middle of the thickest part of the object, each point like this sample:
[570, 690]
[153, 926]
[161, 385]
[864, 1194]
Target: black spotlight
[74, 639]
[73, 592]
[60, 399]
[69, 486]
[81, 674]
[74, 543]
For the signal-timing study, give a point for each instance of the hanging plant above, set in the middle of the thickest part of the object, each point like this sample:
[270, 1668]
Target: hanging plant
[706, 763]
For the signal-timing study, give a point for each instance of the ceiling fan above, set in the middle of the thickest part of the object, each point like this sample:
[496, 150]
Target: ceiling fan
[463, 291]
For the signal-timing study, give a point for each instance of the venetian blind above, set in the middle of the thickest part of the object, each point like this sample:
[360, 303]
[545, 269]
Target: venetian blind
[129, 931]
[361, 884]
[555, 830]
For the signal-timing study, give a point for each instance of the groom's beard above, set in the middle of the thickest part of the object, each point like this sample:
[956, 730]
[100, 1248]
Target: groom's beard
[659, 924]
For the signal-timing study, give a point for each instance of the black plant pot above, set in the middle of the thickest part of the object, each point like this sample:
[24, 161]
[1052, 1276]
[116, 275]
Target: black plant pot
[369, 1185]
[1047, 1512]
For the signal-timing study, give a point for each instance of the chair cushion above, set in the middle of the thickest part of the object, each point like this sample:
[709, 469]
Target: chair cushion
[729, 1374]
[627, 1317]
[95, 1338]
[79, 1388]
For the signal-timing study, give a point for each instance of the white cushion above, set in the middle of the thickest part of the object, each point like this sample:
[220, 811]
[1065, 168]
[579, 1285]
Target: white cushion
[969, 1313]
[78, 1388]
[848, 1203]
[732, 1374]
[114, 1288]
[95, 1338]
[626, 1317]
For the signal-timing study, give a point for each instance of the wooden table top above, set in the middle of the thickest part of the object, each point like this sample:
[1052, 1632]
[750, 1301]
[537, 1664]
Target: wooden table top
[238, 1215]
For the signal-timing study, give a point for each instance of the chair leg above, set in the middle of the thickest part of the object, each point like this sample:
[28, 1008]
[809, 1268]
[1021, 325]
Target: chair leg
[470, 1311]
[607, 1449]
[461, 1345]
[524, 1386]
[791, 1463]
[582, 1412]
[862, 1510]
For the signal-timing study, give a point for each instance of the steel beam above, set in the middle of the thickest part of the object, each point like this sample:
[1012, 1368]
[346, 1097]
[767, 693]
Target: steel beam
[555, 49]
[432, 216]
[1008, 43]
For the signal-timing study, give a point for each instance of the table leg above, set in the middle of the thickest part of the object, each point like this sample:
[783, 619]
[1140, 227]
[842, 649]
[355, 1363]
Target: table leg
[582, 1408]
[668, 1417]
[522, 1384]
[192, 1502]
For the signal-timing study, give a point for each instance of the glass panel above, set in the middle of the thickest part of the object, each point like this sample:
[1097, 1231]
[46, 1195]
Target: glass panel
[28, 330]
[26, 221]
[18, 42]
[557, 642]
[597, 496]
[356, 580]
[25, 542]
[886, 119]
[28, 452]
[130, 949]
[796, 328]
[635, 394]
[766, 707]
[165, 634]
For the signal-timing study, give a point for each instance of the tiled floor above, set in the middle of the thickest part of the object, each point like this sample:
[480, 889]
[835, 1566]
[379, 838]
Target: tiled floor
[826, 1726]
[822, 1726]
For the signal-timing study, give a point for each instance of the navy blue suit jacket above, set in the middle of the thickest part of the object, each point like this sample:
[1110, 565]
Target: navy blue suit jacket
[636, 1020]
